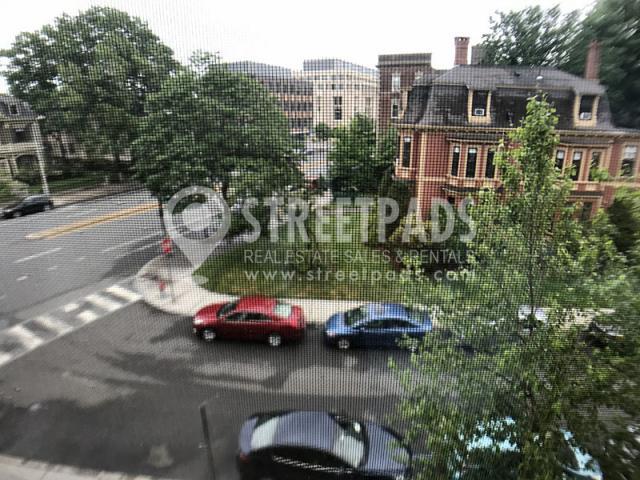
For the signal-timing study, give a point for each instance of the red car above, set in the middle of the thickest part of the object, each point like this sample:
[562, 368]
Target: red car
[250, 318]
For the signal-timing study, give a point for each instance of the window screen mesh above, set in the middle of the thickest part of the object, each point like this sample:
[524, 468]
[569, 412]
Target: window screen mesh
[319, 265]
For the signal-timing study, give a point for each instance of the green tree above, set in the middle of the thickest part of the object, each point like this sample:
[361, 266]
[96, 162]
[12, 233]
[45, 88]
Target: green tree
[356, 165]
[624, 214]
[388, 146]
[209, 126]
[90, 75]
[323, 131]
[497, 362]
[531, 36]
[615, 24]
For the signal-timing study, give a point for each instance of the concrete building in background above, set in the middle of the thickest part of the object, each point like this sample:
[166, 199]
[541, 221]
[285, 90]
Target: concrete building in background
[341, 90]
[397, 73]
[294, 93]
[454, 122]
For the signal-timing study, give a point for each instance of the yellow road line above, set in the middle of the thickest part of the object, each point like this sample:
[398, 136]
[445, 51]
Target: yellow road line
[81, 225]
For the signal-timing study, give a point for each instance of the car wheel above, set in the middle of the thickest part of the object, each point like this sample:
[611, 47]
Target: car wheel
[275, 340]
[208, 335]
[17, 214]
[344, 344]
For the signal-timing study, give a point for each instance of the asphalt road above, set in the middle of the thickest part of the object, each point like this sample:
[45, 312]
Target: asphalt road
[123, 393]
[91, 376]
[39, 275]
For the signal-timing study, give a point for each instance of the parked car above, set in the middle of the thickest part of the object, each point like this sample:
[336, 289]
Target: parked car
[319, 445]
[489, 343]
[575, 462]
[599, 337]
[376, 324]
[250, 318]
[27, 205]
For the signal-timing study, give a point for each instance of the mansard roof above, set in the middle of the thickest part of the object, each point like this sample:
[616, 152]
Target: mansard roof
[441, 99]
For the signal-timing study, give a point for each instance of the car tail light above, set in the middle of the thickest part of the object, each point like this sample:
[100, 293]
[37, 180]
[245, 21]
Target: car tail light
[243, 457]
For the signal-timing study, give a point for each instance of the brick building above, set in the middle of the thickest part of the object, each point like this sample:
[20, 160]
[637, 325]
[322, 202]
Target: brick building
[397, 74]
[454, 121]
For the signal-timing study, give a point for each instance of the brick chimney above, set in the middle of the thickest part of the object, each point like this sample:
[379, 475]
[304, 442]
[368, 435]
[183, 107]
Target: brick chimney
[592, 65]
[462, 49]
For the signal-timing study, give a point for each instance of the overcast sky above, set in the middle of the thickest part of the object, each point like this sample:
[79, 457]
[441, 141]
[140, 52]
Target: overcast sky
[287, 32]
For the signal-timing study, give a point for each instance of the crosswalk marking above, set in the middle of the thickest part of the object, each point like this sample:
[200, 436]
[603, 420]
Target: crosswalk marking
[87, 316]
[53, 324]
[124, 293]
[24, 337]
[70, 307]
[29, 339]
[4, 358]
[103, 302]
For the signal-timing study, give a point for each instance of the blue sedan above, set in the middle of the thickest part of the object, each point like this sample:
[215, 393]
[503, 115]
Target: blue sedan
[376, 325]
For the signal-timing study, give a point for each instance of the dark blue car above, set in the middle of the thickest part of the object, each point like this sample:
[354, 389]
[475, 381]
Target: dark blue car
[314, 445]
[376, 325]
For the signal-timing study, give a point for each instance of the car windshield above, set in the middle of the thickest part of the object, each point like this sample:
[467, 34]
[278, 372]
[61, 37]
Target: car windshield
[16, 202]
[264, 433]
[418, 315]
[227, 308]
[354, 316]
[283, 310]
[349, 444]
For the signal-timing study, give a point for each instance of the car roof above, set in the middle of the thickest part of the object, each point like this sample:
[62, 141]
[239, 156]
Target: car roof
[256, 304]
[386, 310]
[307, 429]
[378, 311]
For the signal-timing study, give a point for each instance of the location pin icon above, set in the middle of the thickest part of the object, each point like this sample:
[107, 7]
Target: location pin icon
[197, 219]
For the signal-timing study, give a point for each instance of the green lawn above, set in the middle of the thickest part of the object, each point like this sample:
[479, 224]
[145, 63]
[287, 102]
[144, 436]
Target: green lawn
[342, 270]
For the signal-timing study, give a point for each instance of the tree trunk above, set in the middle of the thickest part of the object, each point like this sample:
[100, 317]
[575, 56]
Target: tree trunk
[117, 166]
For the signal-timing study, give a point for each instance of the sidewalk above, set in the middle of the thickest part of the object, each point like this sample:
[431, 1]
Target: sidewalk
[182, 295]
[13, 468]
[90, 193]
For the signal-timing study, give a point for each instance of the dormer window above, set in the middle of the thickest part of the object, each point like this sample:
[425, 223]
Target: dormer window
[479, 107]
[479, 103]
[587, 102]
[585, 110]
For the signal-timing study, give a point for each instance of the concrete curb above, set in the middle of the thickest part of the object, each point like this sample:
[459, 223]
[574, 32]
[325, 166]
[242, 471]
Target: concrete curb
[182, 296]
[76, 196]
[15, 468]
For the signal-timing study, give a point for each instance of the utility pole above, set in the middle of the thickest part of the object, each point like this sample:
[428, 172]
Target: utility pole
[37, 136]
